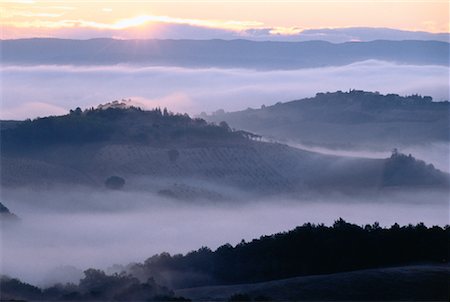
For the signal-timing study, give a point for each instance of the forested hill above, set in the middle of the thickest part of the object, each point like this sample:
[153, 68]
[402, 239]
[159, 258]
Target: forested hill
[168, 153]
[307, 250]
[116, 124]
[307, 255]
[348, 119]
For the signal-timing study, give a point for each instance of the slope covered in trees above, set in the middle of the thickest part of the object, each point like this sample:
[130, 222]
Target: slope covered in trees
[307, 250]
[94, 286]
[353, 119]
[311, 262]
[89, 147]
[114, 124]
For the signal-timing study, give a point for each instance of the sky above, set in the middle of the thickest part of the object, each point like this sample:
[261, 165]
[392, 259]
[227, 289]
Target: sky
[146, 19]
[30, 91]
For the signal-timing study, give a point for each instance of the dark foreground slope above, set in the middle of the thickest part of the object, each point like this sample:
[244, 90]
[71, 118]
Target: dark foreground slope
[312, 262]
[156, 150]
[354, 119]
[219, 53]
[410, 283]
[306, 250]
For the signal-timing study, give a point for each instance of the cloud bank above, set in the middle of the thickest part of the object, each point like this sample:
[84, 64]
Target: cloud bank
[29, 92]
[147, 26]
[132, 226]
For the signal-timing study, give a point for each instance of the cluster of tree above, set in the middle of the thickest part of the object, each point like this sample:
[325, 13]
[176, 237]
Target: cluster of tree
[375, 98]
[405, 170]
[95, 286]
[358, 106]
[115, 182]
[349, 119]
[308, 249]
[113, 124]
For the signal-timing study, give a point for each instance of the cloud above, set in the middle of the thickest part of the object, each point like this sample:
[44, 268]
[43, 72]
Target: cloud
[22, 111]
[18, 13]
[66, 227]
[131, 22]
[142, 26]
[197, 90]
[166, 27]
[173, 100]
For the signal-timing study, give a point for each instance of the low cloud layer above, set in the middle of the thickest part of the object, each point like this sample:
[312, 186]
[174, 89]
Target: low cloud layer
[98, 229]
[28, 92]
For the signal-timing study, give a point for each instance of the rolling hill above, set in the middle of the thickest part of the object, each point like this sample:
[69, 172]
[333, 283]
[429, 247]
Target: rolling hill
[387, 284]
[346, 120]
[342, 262]
[177, 156]
[304, 251]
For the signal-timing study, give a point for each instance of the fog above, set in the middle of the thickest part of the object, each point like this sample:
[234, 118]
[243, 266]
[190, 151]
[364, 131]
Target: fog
[62, 232]
[28, 92]
[436, 154]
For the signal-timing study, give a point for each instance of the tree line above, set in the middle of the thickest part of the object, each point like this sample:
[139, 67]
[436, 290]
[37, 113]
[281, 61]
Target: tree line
[308, 249]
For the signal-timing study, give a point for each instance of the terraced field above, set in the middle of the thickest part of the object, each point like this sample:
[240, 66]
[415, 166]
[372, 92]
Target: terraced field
[262, 166]
[176, 155]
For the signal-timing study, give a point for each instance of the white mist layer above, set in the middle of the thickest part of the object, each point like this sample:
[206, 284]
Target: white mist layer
[436, 154]
[108, 228]
[31, 91]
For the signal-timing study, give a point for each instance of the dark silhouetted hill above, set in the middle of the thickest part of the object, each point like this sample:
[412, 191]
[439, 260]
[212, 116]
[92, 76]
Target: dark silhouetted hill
[311, 262]
[410, 283]
[307, 250]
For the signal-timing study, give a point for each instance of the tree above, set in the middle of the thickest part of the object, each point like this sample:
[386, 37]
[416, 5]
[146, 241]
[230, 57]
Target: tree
[77, 111]
[115, 182]
[225, 126]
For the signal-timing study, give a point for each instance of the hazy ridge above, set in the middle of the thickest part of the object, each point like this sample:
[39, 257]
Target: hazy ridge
[348, 120]
[219, 53]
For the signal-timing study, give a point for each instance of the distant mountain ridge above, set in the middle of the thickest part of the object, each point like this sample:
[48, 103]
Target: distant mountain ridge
[346, 120]
[219, 53]
[370, 34]
[87, 147]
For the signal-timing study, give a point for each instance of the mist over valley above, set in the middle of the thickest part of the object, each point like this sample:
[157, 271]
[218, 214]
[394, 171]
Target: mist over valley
[214, 170]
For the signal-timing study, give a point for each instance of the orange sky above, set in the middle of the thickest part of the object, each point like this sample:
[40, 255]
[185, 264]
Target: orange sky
[44, 18]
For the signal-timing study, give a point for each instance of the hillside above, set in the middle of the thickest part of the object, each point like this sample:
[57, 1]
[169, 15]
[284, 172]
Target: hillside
[388, 284]
[94, 286]
[219, 53]
[345, 120]
[177, 156]
[304, 251]
[311, 262]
